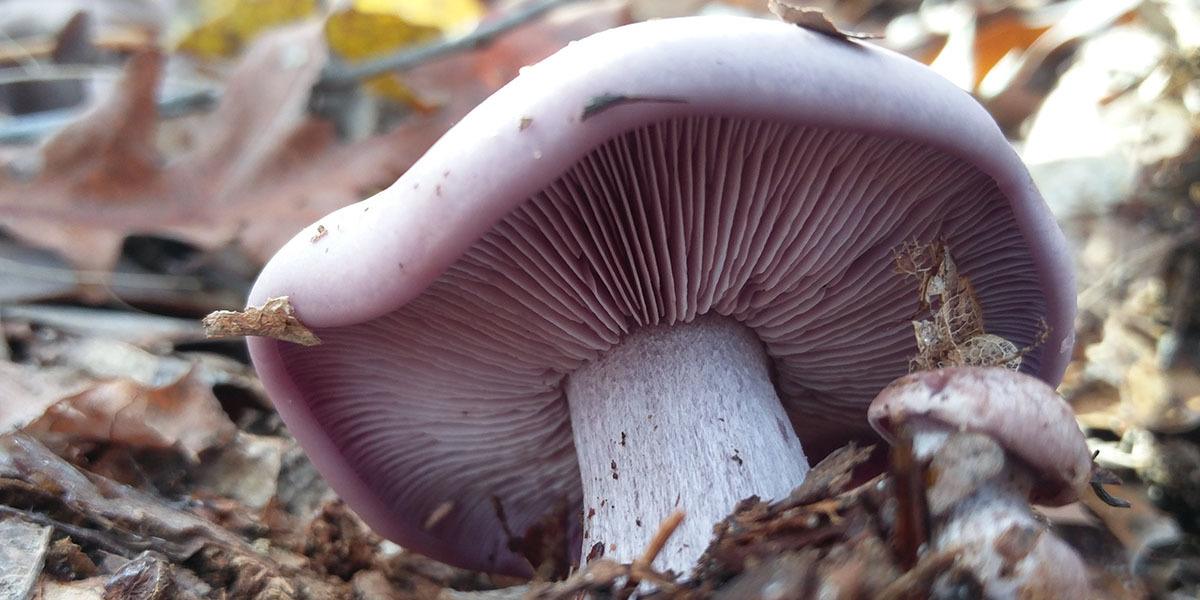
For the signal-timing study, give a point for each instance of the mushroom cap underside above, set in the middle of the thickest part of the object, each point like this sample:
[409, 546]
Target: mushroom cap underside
[746, 168]
[1022, 413]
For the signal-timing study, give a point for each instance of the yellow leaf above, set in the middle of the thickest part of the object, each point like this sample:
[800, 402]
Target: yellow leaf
[355, 35]
[445, 15]
[370, 28]
[392, 88]
[229, 25]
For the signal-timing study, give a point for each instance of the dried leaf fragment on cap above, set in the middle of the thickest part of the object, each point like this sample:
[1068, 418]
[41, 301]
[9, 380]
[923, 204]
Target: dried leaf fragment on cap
[275, 319]
[813, 19]
[954, 333]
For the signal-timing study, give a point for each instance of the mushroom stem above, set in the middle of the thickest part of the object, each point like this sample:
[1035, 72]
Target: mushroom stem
[678, 417]
[1002, 542]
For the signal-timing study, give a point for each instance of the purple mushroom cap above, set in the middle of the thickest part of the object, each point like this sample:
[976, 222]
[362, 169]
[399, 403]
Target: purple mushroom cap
[638, 179]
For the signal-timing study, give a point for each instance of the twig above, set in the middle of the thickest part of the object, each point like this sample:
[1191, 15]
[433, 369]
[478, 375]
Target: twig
[912, 513]
[641, 568]
[338, 75]
[27, 51]
[915, 582]
[117, 324]
[665, 530]
[125, 548]
[5, 351]
[32, 126]
[66, 275]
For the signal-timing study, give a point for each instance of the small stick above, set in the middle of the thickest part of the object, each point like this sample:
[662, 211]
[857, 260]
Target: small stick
[912, 513]
[665, 530]
[640, 569]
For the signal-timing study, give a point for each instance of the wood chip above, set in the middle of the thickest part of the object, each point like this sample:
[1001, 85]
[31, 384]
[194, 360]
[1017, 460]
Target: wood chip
[275, 319]
[22, 550]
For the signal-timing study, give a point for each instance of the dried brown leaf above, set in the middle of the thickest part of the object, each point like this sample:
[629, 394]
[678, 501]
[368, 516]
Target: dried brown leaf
[275, 319]
[829, 477]
[104, 178]
[247, 469]
[111, 153]
[813, 19]
[952, 334]
[182, 415]
[143, 578]
[29, 390]
[65, 561]
[339, 543]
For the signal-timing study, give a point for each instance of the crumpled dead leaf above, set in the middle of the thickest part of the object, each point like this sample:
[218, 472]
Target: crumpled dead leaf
[27, 391]
[247, 469]
[65, 561]
[1014, 86]
[812, 19]
[1112, 119]
[145, 578]
[954, 333]
[32, 476]
[102, 359]
[182, 415]
[275, 319]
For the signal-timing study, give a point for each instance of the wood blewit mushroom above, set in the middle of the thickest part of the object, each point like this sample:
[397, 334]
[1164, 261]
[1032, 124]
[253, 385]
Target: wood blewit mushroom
[650, 273]
[996, 440]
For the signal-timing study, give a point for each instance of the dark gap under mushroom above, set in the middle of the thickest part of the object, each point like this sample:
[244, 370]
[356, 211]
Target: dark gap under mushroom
[778, 229]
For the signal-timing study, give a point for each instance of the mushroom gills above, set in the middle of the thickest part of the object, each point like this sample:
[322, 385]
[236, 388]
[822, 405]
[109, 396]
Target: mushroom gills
[678, 417]
[789, 230]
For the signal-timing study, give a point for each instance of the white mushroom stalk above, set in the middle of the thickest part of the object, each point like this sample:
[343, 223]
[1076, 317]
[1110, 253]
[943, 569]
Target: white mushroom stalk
[679, 417]
[990, 523]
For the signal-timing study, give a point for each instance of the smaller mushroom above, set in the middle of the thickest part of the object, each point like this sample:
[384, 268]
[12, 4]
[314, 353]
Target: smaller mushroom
[994, 440]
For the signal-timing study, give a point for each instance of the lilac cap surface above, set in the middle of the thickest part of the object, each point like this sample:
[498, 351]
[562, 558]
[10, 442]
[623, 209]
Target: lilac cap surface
[643, 176]
[1023, 414]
